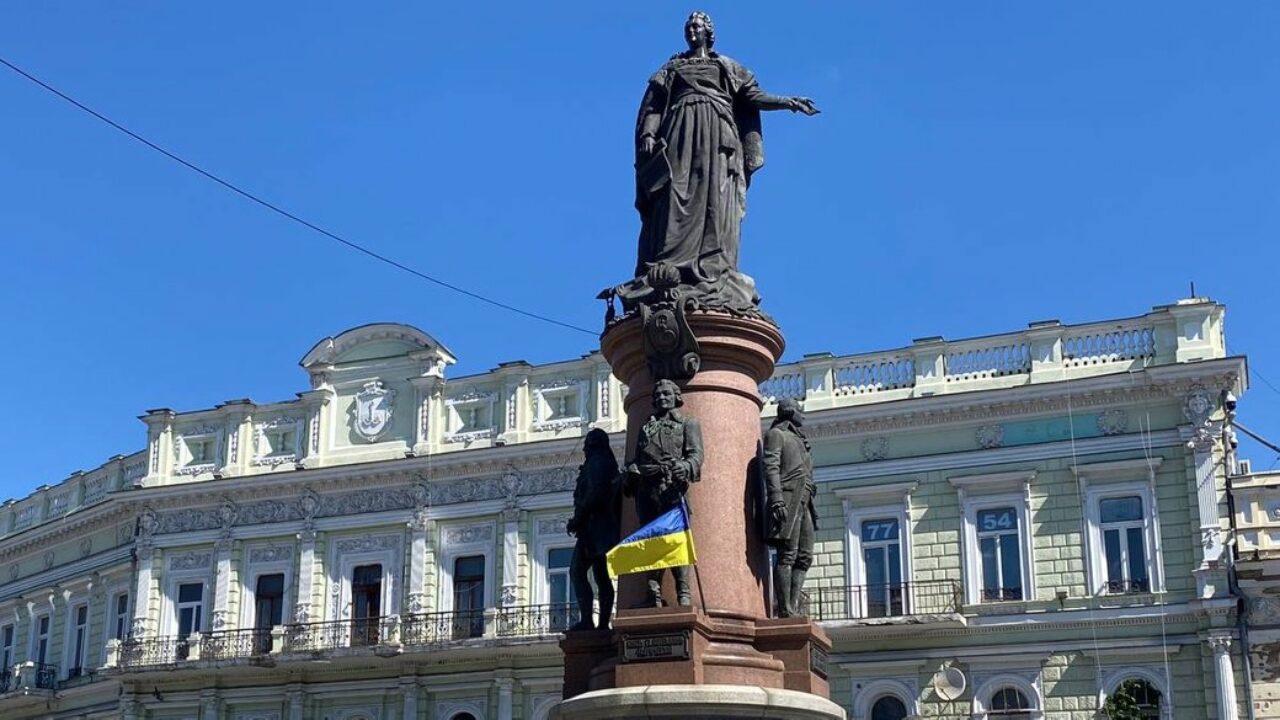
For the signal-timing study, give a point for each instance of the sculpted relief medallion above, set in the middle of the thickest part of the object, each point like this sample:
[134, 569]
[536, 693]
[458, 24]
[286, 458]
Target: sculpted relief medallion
[374, 406]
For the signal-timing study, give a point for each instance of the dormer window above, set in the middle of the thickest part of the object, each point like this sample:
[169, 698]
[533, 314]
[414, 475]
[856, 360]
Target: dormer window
[281, 442]
[196, 450]
[201, 451]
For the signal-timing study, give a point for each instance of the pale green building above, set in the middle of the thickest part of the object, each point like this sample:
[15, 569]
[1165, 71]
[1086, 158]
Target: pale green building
[1016, 526]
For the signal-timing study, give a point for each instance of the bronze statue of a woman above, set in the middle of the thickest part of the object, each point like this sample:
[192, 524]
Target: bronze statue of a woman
[698, 140]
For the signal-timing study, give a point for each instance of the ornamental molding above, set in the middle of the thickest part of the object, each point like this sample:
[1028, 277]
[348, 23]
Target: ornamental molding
[270, 554]
[554, 525]
[368, 543]
[1113, 422]
[507, 486]
[964, 408]
[191, 561]
[447, 709]
[875, 448]
[372, 416]
[989, 436]
[468, 534]
[60, 530]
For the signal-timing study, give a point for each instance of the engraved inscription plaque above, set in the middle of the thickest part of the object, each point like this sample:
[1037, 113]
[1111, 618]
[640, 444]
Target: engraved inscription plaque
[818, 661]
[667, 646]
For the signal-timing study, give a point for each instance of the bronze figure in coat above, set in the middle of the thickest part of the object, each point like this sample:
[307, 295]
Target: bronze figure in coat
[788, 472]
[668, 459]
[596, 523]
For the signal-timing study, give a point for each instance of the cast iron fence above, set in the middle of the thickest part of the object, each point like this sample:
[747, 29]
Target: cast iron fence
[529, 620]
[860, 602]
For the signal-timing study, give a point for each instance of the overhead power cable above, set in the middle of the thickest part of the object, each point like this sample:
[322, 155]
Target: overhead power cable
[1256, 436]
[285, 213]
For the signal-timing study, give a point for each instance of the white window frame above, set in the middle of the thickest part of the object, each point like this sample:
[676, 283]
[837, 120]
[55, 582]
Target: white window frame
[868, 503]
[983, 693]
[69, 651]
[113, 616]
[390, 556]
[867, 694]
[543, 544]
[453, 551]
[202, 603]
[34, 655]
[1121, 478]
[169, 606]
[1113, 677]
[11, 648]
[249, 585]
[989, 492]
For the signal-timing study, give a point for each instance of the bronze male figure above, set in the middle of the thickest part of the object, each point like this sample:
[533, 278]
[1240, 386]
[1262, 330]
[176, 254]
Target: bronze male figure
[788, 472]
[668, 458]
[595, 522]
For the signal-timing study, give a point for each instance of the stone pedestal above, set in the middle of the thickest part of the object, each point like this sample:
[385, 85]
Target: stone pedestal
[723, 657]
[698, 702]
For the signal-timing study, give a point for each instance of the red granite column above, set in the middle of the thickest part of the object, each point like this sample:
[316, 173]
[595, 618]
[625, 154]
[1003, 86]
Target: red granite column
[737, 354]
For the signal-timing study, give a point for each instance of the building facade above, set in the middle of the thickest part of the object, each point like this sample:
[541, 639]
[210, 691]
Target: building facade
[1035, 525]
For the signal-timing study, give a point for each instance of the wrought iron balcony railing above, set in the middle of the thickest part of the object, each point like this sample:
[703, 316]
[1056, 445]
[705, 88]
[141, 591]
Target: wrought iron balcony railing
[232, 644]
[151, 651]
[442, 628]
[534, 620]
[46, 676]
[865, 602]
[336, 634]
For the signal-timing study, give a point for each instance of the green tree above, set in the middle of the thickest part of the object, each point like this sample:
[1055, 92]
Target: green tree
[1123, 703]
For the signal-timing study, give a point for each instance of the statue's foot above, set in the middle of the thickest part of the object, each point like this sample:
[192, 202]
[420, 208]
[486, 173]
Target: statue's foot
[685, 600]
[582, 625]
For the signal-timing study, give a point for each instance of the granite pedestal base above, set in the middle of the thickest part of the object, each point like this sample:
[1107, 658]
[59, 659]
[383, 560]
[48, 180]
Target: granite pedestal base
[696, 702]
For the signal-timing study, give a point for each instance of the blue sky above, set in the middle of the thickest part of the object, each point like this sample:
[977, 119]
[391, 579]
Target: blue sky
[977, 166]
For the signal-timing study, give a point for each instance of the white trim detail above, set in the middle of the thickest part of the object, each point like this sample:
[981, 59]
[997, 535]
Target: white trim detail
[866, 695]
[1112, 677]
[989, 686]
[543, 543]
[983, 492]
[461, 541]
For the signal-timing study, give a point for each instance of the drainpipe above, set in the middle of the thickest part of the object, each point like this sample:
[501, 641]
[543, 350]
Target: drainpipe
[1233, 582]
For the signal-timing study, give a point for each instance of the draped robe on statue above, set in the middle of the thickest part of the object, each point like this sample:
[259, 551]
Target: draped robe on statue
[706, 113]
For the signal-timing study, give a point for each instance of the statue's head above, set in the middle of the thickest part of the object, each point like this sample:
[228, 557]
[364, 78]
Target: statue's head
[790, 409]
[596, 439]
[699, 30]
[666, 395]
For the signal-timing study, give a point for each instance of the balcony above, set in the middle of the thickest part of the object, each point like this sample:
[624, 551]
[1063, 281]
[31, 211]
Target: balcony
[388, 636]
[29, 678]
[853, 608]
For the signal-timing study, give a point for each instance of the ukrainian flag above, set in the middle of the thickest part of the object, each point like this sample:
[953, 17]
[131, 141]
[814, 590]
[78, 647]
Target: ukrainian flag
[663, 543]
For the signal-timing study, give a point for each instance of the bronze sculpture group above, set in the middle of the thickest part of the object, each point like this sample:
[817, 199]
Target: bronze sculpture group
[698, 141]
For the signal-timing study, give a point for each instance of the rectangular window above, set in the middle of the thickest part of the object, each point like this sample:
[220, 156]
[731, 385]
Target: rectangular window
[79, 640]
[190, 610]
[366, 604]
[268, 611]
[999, 549]
[1123, 526]
[468, 596]
[561, 595]
[882, 567]
[40, 643]
[121, 609]
[6, 648]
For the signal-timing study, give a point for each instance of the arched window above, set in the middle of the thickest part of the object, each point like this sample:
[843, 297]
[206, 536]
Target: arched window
[888, 707]
[463, 716]
[1137, 696]
[1009, 703]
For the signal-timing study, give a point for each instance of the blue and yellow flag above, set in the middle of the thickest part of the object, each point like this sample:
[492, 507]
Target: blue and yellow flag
[663, 543]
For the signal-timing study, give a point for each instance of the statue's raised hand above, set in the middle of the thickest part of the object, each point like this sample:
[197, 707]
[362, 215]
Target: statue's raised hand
[802, 104]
